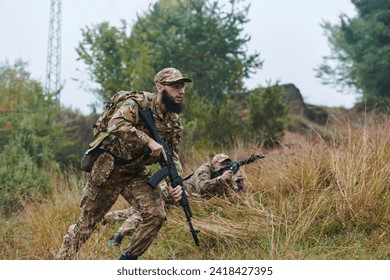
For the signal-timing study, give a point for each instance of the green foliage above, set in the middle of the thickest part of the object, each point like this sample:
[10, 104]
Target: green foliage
[267, 114]
[360, 47]
[107, 52]
[212, 124]
[73, 133]
[196, 115]
[196, 36]
[226, 125]
[21, 175]
[35, 136]
[25, 119]
[202, 39]
[259, 117]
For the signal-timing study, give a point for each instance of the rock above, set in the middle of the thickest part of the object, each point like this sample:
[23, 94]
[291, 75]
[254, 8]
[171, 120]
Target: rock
[316, 114]
[296, 106]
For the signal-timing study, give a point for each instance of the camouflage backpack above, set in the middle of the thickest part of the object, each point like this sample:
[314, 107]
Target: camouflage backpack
[100, 127]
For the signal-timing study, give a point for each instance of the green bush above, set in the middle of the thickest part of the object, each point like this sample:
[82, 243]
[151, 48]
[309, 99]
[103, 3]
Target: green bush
[35, 137]
[267, 115]
[21, 175]
[224, 123]
[211, 123]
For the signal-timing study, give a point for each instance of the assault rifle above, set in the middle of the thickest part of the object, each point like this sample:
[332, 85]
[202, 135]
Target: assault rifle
[235, 166]
[168, 168]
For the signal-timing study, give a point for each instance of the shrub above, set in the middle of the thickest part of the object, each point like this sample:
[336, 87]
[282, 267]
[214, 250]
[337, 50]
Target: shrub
[267, 115]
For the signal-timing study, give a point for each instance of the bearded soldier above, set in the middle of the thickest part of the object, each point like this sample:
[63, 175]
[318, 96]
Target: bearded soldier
[119, 166]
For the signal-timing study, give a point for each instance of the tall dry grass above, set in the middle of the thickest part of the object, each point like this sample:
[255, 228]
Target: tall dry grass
[318, 198]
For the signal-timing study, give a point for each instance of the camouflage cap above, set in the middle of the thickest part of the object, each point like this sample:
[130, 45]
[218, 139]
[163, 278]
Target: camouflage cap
[218, 158]
[168, 76]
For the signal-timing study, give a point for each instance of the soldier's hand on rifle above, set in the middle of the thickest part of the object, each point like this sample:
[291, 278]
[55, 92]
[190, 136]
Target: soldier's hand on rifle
[175, 193]
[156, 149]
[227, 175]
[239, 175]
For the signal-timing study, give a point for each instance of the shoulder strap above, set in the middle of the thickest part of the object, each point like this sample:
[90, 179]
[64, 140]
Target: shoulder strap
[101, 131]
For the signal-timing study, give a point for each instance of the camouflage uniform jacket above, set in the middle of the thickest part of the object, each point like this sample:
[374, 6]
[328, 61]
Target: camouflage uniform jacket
[201, 183]
[127, 141]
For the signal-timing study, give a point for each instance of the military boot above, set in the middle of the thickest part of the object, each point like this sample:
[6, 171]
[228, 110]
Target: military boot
[115, 239]
[126, 256]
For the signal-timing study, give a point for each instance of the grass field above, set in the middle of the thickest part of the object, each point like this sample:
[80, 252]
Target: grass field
[323, 196]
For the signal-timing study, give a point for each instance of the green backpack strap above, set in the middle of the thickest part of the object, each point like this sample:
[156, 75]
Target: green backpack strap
[99, 139]
[143, 99]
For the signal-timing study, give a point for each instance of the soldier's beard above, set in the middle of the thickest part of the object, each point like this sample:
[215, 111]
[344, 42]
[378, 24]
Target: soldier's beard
[171, 105]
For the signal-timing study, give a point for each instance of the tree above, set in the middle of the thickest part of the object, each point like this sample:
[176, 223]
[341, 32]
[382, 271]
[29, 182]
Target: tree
[108, 54]
[360, 47]
[25, 121]
[35, 136]
[198, 37]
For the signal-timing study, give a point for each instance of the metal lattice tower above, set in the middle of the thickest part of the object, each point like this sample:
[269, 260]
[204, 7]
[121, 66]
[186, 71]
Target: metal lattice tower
[53, 64]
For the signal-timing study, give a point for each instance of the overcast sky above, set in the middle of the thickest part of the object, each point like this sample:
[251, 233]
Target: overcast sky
[286, 33]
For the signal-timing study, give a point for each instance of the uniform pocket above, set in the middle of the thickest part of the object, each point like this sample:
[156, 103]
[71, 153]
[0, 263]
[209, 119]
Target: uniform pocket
[102, 168]
[89, 159]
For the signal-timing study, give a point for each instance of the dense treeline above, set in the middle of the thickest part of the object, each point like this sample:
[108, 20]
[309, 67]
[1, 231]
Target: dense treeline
[37, 139]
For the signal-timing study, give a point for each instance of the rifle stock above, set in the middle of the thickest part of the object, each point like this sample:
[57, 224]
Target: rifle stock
[168, 169]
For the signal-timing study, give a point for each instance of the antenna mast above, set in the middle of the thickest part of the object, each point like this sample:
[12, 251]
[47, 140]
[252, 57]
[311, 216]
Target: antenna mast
[53, 64]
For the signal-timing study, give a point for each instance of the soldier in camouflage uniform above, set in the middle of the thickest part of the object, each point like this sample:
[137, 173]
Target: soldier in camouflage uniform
[121, 167]
[201, 184]
[131, 218]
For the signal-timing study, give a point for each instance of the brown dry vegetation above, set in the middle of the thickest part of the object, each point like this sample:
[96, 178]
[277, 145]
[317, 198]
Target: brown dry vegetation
[326, 196]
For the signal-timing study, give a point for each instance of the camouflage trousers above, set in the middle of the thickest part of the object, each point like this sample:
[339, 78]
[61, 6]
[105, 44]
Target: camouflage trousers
[130, 215]
[100, 193]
